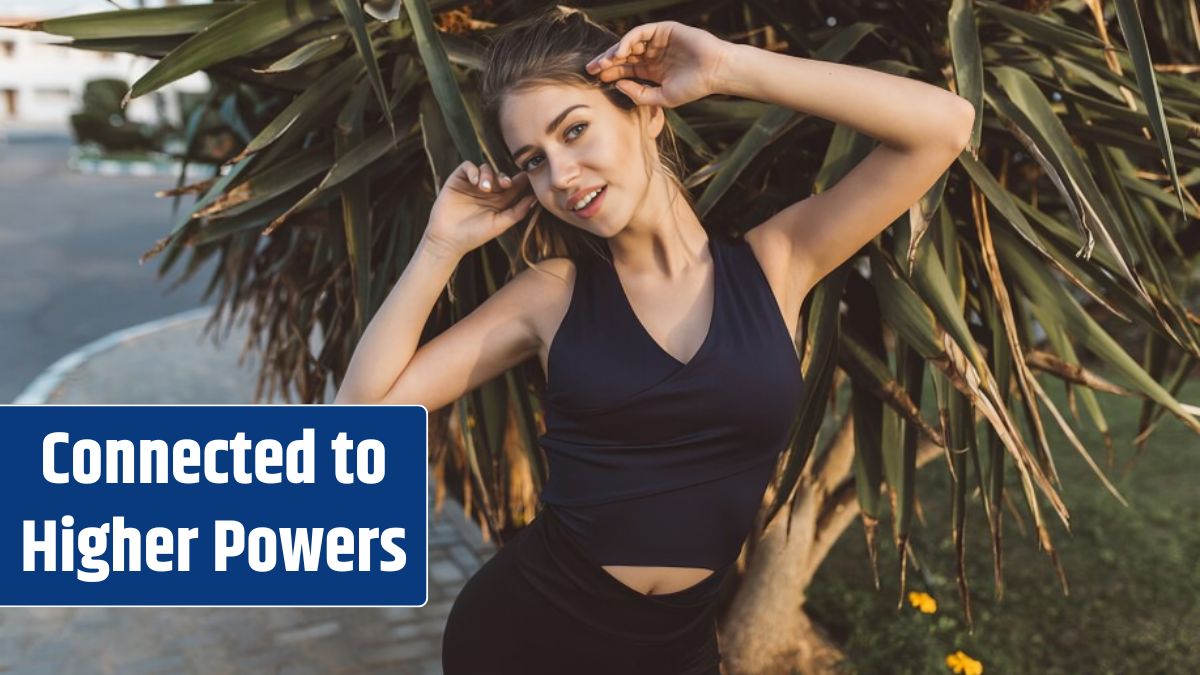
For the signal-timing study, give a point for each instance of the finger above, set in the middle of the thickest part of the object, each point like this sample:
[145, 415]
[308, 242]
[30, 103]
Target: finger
[467, 171]
[471, 171]
[606, 60]
[520, 181]
[486, 178]
[597, 63]
[654, 45]
[640, 34]
[619, 51]
[642, 93]
[618, 73]
[518, 210]
[505, 181]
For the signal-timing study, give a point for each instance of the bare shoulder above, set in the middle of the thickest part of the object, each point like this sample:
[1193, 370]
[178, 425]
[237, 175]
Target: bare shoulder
[772, 246]
[545, 292]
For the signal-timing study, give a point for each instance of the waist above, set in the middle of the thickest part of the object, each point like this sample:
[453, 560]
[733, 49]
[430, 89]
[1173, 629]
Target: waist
[564, 573]
[583, 475]
[698, 525]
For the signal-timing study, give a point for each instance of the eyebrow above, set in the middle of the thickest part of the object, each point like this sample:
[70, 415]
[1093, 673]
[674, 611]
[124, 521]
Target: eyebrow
[549, 128]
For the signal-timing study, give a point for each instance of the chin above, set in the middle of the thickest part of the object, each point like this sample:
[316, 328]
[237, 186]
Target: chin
[609, 233]
[596, 229]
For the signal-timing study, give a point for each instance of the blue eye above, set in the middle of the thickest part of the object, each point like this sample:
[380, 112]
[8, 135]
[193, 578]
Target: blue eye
[527, 167]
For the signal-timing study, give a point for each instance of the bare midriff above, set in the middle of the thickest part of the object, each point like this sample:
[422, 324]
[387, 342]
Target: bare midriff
[657, 580]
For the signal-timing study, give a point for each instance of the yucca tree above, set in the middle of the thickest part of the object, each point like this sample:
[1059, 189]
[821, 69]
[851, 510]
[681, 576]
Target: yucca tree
[1069, 209]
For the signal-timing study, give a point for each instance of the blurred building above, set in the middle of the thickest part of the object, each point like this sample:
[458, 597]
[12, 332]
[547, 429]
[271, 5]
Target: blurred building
[41, 82]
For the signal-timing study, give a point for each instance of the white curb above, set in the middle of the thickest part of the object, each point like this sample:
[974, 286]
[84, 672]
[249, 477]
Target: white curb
[139, 168]
[43, 385]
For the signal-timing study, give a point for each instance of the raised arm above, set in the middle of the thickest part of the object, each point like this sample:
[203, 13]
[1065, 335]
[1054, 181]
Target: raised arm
[387, 366]
[921, 128]
[499, 334]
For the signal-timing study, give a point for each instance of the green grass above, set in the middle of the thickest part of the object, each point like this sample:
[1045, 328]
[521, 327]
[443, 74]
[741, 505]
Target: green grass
[1133, 573]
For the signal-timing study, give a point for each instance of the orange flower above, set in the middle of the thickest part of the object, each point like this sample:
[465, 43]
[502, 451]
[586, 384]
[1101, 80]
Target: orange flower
[459, 21]
[922, 601]
[454, 20]
[959, 662]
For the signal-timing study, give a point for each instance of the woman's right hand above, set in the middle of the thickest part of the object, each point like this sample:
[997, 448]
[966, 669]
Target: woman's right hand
[475, 205]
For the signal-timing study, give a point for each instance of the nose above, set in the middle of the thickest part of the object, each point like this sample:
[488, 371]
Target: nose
[564, 174]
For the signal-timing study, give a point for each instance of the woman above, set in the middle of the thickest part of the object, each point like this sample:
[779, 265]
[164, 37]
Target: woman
[672, 375]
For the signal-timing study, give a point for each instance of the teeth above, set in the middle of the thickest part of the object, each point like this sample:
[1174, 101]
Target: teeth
[586, 200]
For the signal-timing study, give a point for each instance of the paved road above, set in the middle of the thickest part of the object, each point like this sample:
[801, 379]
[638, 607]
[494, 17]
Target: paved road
[228, 641]
[69, 247]
[68, 263]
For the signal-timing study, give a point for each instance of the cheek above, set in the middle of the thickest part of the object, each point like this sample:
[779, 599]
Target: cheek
[606, 152]
[544, 199]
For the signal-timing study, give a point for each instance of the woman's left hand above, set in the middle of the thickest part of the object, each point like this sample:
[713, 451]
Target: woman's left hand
[686, 61]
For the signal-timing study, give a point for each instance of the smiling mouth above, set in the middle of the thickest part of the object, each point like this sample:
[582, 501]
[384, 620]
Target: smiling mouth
[598, 194]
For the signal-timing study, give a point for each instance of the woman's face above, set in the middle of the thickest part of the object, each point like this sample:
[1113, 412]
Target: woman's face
[570, 140]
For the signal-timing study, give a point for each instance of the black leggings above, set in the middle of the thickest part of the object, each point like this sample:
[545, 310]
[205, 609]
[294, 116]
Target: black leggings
[542, 605]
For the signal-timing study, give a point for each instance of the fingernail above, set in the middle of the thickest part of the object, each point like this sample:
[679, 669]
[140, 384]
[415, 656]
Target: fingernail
[485, 185]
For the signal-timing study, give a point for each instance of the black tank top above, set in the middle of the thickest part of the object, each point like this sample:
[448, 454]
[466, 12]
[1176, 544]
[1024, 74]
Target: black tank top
[654, 461]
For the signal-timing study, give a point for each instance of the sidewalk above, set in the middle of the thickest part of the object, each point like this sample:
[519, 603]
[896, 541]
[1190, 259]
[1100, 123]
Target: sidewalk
[169, 361]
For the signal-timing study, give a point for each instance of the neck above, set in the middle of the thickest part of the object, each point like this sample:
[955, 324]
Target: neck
[663, 238]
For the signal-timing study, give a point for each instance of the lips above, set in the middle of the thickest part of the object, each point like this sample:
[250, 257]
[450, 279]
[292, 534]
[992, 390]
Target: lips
[593, 206]
[580, 195]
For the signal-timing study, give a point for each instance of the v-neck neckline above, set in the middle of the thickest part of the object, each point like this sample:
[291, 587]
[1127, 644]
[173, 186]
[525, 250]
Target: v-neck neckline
[712, 320]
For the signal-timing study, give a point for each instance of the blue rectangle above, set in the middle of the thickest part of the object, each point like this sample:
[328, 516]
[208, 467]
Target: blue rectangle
[277, 510]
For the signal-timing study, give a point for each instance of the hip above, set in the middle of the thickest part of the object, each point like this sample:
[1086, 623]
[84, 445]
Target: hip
[541, 605]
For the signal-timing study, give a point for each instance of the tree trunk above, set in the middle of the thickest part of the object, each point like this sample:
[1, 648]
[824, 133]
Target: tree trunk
[765, 630]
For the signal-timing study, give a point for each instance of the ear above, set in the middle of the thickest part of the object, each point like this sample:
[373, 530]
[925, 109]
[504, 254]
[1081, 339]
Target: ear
[654, 119]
